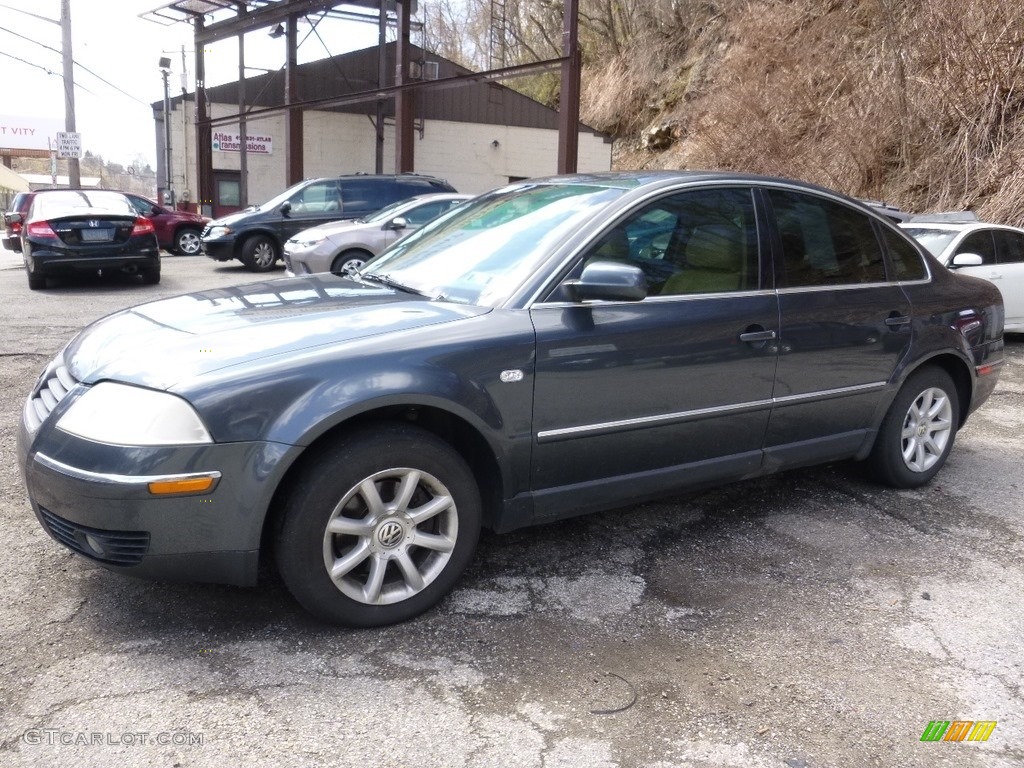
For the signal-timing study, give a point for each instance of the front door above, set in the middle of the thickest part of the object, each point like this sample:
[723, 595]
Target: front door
[668, 391]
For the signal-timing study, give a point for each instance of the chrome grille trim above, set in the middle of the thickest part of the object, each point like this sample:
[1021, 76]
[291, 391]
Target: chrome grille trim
[53, 386]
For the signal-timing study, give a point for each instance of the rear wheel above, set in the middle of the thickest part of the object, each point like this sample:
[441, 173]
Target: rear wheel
[259, 253]
[378, 526]
[187, 242]
[36, 282]
[918, 431]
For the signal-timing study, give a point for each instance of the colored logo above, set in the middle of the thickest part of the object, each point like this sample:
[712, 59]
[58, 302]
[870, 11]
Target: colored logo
[958, 730]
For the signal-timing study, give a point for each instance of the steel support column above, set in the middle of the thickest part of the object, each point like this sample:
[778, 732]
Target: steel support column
[405, 101]
[293, 124]
[569, 98]
[204, 131]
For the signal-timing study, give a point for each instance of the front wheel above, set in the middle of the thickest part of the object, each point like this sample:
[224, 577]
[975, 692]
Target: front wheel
[918, 431]
[378, 526]
[259, 253]
[187, 242]
[349, 262]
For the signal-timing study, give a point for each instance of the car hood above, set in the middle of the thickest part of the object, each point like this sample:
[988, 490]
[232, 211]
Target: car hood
[165, 342]
[234, 218]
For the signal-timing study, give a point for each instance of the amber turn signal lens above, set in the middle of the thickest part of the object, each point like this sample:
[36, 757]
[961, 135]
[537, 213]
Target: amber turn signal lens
[184, 485]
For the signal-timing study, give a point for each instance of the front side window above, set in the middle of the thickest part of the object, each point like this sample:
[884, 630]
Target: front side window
[824, 242]
[701, 241]
[979, 243]
[316, 198]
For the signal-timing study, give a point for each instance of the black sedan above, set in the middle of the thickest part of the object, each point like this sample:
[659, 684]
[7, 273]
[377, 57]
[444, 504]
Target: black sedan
[556, 347]
[68, 232]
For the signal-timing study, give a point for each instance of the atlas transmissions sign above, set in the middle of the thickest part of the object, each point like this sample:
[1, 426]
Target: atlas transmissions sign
[231, 142]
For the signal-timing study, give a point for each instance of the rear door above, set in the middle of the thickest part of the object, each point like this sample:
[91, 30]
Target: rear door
[1010, 270]
[845, 325]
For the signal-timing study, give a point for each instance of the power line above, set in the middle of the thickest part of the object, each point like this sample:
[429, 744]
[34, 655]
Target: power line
[77, 64]
[47, 71]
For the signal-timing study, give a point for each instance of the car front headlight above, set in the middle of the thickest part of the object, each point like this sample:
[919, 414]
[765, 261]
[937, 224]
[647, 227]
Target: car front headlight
[120, 414]
[217, 232]
[301, 242]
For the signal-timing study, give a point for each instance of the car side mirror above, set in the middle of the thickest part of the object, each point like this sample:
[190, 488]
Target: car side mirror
[967, 260]
[286, 208]
[399, 222]
[13, 218]
[608, 280]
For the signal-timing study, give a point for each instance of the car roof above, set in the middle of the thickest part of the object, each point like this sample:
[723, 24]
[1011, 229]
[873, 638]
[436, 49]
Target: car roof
[944, 226]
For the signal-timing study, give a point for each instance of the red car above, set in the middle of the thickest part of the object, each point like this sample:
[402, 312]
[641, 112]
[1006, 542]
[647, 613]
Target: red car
[176, 231]
[12, 232]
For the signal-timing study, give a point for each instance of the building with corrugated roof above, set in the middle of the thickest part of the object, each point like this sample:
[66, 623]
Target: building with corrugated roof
[477, 136]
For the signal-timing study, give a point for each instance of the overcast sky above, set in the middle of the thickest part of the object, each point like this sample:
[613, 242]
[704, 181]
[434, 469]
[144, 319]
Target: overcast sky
[108, 37]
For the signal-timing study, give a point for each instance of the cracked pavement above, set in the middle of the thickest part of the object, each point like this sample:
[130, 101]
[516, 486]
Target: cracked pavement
[807, 619]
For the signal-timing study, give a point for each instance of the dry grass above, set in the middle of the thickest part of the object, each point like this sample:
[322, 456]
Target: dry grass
[918, 102]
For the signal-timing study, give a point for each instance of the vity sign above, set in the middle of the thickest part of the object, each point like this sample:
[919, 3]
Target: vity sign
[28, 132]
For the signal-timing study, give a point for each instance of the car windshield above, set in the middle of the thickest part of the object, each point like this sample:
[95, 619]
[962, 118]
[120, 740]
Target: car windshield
[934, 240]
[483, 252]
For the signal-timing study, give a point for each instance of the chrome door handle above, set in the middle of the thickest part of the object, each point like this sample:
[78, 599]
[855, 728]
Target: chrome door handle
[757, 336]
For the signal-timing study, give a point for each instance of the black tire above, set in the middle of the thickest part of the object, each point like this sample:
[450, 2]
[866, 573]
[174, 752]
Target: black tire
[918, 431]
[36, 282]
[390, 577]
[151, 277]
[347, 262]
[260, 253]
[187, 242]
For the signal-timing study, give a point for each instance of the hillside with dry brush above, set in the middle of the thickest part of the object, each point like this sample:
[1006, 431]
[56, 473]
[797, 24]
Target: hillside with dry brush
[918, 103]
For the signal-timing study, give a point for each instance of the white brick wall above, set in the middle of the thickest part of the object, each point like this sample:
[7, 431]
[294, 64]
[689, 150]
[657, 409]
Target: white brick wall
[334, 144]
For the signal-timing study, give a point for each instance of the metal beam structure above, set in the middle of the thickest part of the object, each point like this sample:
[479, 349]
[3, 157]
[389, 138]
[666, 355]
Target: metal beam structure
[258, 14]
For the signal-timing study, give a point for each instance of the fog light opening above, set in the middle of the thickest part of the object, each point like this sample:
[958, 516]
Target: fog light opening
[95, 545]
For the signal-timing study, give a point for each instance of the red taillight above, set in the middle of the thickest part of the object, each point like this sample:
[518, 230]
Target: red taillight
[16, 228]
[143, 227]
[41, 230]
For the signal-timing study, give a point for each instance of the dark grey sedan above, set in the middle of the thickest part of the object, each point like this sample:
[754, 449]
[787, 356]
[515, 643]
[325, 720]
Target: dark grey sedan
[556, 347]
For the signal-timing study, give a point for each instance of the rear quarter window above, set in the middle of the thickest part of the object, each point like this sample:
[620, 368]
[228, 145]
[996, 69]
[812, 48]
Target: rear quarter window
[906, 263]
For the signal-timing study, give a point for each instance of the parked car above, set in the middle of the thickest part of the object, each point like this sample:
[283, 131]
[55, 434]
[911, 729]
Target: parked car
[516, 362]
[345, 246]
[72, 231]
[972, 247]
[12, 225]
[178, 232]
[256, 236]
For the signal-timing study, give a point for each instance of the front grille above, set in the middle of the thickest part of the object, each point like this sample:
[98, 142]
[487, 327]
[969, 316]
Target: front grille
[52, 387]
[111, 547]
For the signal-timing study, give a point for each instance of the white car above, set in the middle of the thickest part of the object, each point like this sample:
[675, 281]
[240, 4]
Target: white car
[342, 247]
[991, 251]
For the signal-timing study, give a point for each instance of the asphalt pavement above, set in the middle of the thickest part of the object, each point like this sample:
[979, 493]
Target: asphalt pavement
[808, 619]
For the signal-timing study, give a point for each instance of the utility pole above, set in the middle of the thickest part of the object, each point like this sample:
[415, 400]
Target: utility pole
[74, 169]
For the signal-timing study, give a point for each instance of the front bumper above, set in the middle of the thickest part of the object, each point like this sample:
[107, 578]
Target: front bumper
[96, 500]
[219, 250]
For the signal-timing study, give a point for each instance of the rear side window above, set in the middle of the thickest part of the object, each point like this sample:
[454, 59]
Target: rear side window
[824, 242]
[1009, 246]
[905, 260]
[360, 196]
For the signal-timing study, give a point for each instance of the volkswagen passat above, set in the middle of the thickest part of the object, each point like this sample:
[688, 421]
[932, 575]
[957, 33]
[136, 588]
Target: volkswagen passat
[555, 347]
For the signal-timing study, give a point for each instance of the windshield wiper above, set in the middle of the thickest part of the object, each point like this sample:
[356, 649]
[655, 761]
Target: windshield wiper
[391, 283]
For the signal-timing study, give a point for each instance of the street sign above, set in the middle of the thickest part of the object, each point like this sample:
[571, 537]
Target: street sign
[69, 144]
